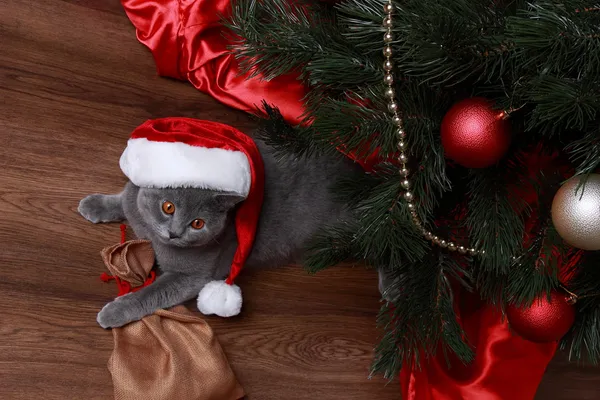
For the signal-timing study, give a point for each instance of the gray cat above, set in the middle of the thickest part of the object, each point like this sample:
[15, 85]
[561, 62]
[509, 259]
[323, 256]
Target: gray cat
[298, 202]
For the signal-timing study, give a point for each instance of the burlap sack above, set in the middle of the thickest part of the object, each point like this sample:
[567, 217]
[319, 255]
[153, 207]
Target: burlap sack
[170, 355]
[130, 261]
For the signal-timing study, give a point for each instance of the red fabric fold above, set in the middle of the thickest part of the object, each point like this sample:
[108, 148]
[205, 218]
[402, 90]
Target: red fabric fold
[505, 366]
[187, 42]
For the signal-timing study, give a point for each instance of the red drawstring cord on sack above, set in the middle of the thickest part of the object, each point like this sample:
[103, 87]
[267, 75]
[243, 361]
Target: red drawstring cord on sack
[123, 233]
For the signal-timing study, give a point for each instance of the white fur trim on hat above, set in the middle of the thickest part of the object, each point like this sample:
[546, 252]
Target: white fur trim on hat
[220, 298]
[174, 164]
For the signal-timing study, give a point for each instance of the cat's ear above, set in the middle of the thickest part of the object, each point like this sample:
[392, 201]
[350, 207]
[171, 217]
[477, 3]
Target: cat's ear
[228, 200]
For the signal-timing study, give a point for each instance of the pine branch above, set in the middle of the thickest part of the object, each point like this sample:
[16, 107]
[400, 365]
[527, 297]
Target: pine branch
[380, 231]
[332, 246]
[279, 37]
[585, 152]
[276, 37]
[423, 112]
[353, 190]
[583, 340]
[452, 42]
[351, 127]
[361, 20]
[558, 37]
[558, 44]
[562, 103]
[422, 317]
[357, 122]
[282, 136]
[534, 272]
[495, 214]
[385, 229]
[357, 70]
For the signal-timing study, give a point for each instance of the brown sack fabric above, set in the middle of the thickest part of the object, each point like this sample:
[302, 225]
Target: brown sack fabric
[170, 355]
[131, 261]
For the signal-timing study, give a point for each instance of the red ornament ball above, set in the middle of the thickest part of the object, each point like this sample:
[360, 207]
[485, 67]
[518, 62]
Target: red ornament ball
[474, 134]
[545, 321]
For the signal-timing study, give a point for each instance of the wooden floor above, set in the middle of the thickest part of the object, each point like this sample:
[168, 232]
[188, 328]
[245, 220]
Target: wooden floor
[73, 83]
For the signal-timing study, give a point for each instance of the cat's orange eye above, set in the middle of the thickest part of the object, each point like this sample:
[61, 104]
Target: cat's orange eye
[168, 207]
[198, 224]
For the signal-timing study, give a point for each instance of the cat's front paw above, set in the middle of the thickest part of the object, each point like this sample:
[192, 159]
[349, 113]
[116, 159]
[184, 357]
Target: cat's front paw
[100, 208]
[91, 208]
[116, 314]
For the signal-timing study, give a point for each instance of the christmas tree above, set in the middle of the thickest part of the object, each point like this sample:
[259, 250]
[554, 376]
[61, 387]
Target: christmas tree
[452, 106]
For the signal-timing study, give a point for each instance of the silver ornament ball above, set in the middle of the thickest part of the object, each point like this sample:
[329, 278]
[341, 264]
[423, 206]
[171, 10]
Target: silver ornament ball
[576, 212]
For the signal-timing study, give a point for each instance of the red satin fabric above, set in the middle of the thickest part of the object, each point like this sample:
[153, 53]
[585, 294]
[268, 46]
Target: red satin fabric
[187, 43]
[506, 367]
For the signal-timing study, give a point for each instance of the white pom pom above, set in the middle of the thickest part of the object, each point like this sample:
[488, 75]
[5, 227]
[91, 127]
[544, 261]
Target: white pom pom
[220, 298]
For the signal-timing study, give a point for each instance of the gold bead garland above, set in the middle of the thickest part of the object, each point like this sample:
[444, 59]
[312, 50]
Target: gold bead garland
[389, 92]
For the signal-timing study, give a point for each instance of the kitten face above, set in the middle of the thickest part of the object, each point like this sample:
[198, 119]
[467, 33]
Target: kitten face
[185, 217]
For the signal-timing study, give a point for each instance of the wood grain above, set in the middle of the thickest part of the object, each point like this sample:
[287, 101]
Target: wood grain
[73, 83]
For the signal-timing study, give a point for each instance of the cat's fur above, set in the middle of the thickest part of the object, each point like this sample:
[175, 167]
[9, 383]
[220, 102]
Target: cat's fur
[298, 201]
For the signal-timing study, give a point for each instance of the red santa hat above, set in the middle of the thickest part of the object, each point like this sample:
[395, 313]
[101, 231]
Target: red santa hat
[185, 152]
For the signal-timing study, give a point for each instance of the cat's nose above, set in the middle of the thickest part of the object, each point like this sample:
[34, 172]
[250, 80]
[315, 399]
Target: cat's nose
[173, 235]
